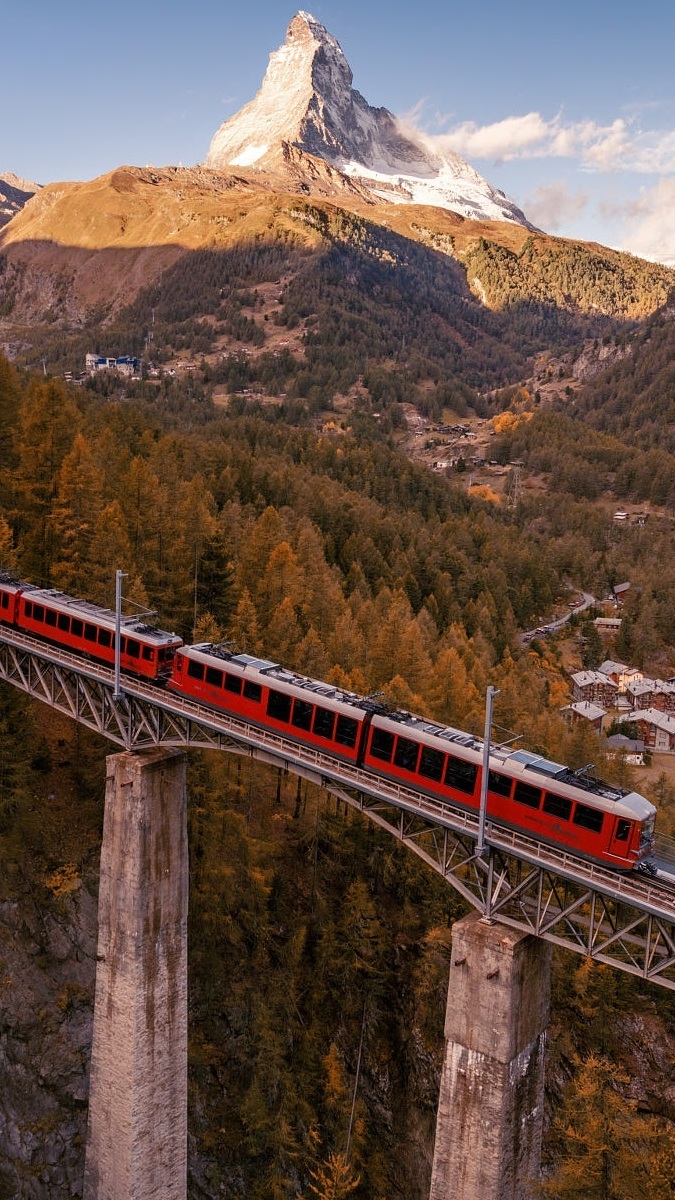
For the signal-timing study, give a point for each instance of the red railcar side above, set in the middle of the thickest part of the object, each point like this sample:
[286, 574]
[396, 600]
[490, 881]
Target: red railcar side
[595, 820]
[90, 630]
[268, 696]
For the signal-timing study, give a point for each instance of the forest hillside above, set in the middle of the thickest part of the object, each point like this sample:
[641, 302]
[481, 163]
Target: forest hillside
[324, 546]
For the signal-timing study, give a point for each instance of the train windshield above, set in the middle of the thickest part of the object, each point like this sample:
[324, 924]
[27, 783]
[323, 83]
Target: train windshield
[647, 835]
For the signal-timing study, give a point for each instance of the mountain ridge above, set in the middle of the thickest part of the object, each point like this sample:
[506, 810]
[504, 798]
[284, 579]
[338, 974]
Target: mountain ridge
[14, 194]
[63, 251]
[307, 102]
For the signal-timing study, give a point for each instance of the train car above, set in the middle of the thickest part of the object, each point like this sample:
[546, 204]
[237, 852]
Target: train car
[527, 792]
[90, 630]
[571, 810]
[271, 696]
[10, 591]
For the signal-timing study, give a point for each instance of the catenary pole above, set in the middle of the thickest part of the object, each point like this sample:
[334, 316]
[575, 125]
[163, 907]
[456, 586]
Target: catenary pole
[482, 812]
[119, 576]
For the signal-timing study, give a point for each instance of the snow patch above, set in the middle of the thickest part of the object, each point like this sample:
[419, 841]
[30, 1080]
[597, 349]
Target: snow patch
[249, 156]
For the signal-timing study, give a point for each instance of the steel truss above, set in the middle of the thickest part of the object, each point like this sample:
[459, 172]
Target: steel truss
[625, 921]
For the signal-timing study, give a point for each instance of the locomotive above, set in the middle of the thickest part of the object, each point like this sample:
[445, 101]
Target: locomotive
[574, 811]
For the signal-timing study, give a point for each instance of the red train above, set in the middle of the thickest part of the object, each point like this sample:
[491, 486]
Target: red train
[87, 628]
[525, 791]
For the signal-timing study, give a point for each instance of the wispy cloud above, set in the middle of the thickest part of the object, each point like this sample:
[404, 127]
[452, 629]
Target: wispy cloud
[553, 205]
[620, 146]
[647, 222]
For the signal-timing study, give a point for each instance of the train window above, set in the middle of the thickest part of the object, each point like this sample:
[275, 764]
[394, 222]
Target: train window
[105, 638]
[460, 774]
[147, 651]
[38, 612]
[347, 729]
[499, 784]
[50, 617]
[252, 691]
[214, 677]
[233, 684]
[4, 600]
[89, 630]
[195, 669]
[279, 705]
[557, 806]
[324, 722]
[382, 744]
[28, 608]
[76, 627]
[622, 830]
[588, 818]
[302, 714]
[133, 648]
[431, 763]
[526, 794]
[406, 754]
[63, 622]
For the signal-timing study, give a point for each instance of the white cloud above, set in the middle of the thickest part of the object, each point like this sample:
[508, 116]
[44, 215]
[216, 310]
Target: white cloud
[619, 146]
[553, 205]
[514, 137]
[649, 228]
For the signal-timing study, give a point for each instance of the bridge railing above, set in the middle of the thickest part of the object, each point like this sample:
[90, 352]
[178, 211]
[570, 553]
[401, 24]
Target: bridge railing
[652, 896]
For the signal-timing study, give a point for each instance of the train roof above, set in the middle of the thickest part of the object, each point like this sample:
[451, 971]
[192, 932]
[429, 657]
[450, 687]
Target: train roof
[104, 616]
[272, 672]
[10, 583]
[521, 763]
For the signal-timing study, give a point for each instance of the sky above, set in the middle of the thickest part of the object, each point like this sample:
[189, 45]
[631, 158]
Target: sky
[569, 109]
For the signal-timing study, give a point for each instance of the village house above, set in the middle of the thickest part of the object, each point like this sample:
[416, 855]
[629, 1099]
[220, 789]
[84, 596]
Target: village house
[123, 366]
[583, 710]
[630, 749]
[594, 687]
[621, 673]
[656, 729]
[607, 626]
[652, 693]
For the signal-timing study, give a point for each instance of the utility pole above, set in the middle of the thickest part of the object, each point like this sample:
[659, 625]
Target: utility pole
[119, 576]
[482, 812]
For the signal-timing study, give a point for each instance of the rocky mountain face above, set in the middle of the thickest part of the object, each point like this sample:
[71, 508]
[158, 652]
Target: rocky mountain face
[14, 193]
[307, 105]
[47, 956]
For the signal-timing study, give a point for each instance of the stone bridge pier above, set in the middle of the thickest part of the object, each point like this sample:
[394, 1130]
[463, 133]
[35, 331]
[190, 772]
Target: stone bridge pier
[137, 1131]
[490, 1110]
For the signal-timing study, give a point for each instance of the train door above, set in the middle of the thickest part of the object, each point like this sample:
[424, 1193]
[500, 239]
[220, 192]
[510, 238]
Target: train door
[620, 837]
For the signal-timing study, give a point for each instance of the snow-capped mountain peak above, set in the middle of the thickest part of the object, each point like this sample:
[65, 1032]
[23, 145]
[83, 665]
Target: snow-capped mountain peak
[307, 101]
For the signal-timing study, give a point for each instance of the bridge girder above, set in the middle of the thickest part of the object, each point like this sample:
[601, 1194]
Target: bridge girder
[627, 922]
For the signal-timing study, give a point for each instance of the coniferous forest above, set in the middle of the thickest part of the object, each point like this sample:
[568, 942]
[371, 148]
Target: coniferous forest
[319, 948]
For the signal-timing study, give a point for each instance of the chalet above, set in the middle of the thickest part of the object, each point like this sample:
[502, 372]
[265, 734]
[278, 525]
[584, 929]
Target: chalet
[630, 749]
[640, 692]
[594, 687]
[651, 693]
[123, 366]
[607, 626]
[619, 592]
[620, 673]
[656, 729]
[583, 710]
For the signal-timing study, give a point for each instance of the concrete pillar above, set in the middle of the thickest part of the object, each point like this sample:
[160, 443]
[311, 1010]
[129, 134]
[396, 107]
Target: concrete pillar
[489, 1123]
[137, 1132]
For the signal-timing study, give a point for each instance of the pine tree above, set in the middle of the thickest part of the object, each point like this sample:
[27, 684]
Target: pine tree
[602, 1140]
[334, 1179]
[244, 628]
[76, 508]
[48, 423]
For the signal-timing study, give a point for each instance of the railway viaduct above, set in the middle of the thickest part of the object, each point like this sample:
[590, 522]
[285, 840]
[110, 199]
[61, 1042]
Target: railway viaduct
[526, 896]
